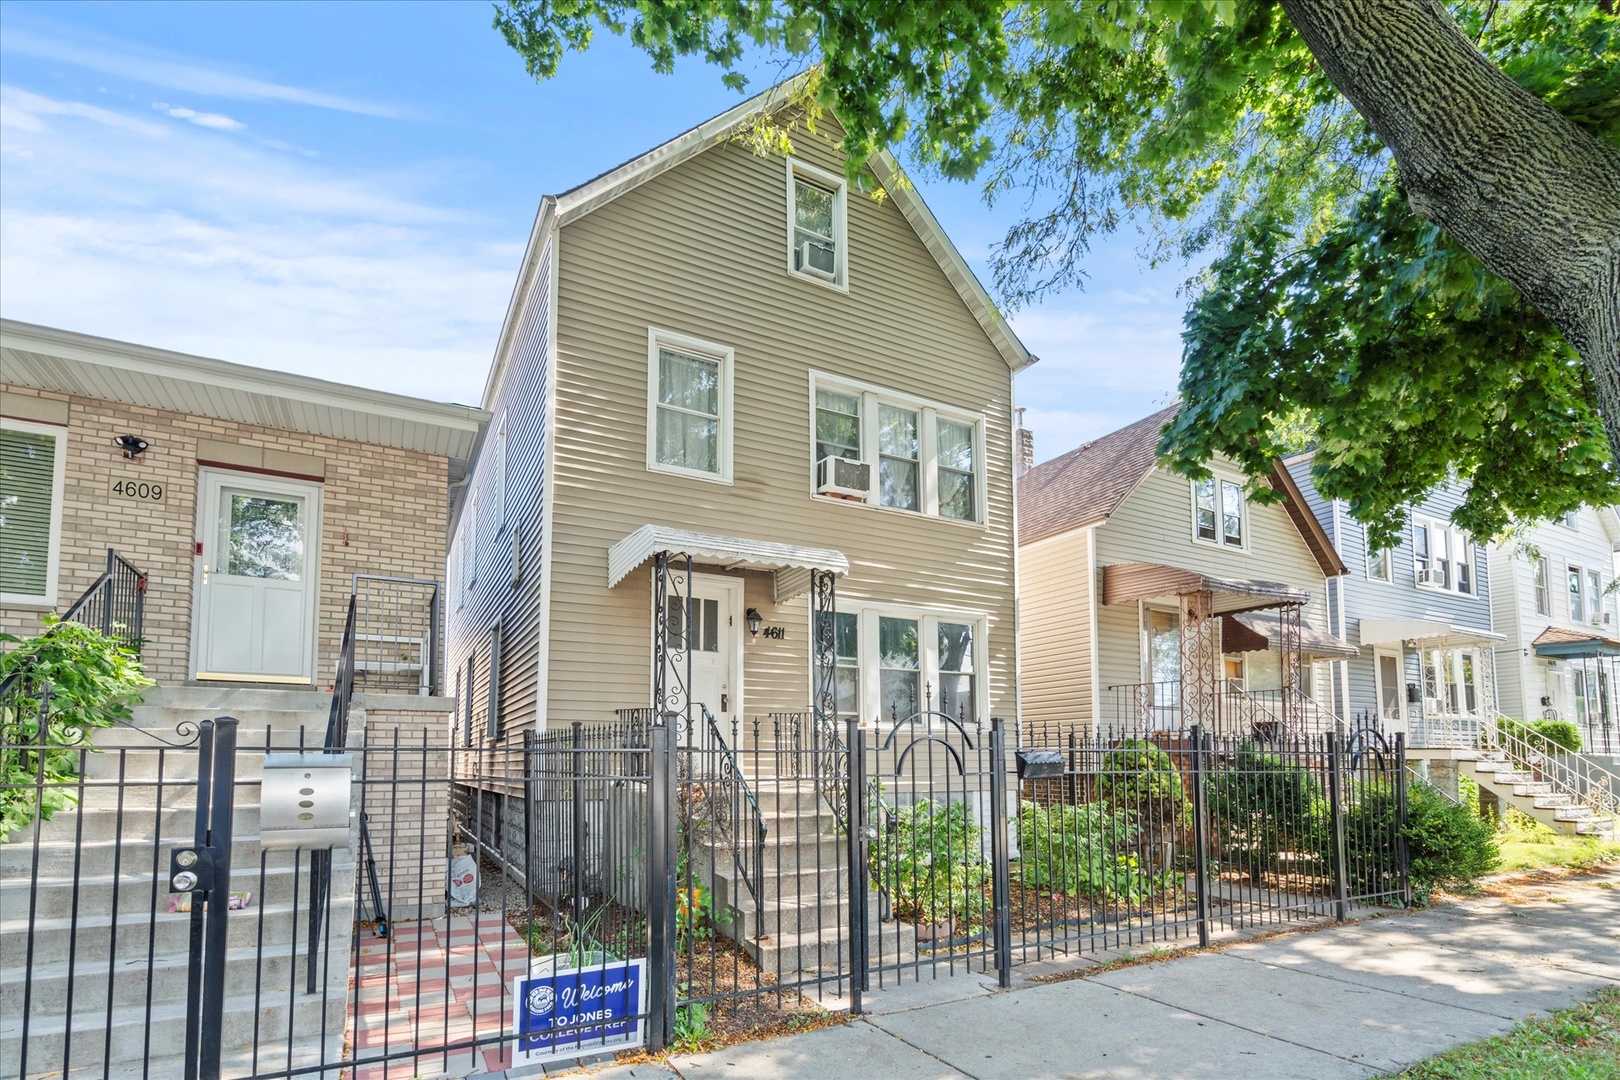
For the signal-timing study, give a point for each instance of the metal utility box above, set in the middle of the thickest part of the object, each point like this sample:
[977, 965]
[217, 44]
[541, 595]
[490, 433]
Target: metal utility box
[304, 801]
[1040, 764]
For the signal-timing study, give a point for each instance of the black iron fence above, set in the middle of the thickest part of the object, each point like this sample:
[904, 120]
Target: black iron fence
[740, 881]
[115, 603]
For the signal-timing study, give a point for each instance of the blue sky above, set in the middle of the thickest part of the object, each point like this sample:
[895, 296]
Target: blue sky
[344, 190]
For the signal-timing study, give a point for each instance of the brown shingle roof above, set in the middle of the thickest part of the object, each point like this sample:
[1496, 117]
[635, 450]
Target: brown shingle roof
[1087, 484]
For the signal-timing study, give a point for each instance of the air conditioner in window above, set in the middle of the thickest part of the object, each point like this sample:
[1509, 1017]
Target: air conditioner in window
[843, 478]
[818, 259]
[1599, 618]
[1425, 577]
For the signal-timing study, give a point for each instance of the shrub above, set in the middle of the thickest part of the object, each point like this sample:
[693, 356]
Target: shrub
[1449, 844]
[1082, 851]
[94, 680]
[930, 862]
[1544, 736]
[1263, 807]
[1139, 777]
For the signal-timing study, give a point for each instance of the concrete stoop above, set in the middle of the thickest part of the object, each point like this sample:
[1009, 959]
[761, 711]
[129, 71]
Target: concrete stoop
[1551, 804]
[87, 939]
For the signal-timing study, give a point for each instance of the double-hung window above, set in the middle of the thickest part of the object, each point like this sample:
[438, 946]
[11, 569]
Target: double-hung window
[1380, 564]
[1442, 556]
[817, 224]
[1577, 595]
[899, 668]
[1594, 596]
[1218, 512]
[688, 407]
[919, 457]
[956, 669]
[33, 462]
[1543, 588]
[891, 664]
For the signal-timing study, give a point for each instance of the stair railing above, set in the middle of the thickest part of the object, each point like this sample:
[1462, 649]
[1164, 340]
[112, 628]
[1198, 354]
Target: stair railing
[115, 603]
[735, 814]
[1583, 780]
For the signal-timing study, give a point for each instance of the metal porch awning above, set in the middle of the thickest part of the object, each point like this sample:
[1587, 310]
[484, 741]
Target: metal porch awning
[1127, 582]
[1433, 632]
[1556, 643]
[791, 563]
[1255, 631]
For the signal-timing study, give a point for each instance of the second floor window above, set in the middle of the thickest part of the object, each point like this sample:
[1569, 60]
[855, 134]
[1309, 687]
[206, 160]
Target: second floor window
[1218, 512]
[1577, 596]
[1594, 596]
[1442, 556]
[689, 407]
[919, 457]
[1381, 564]
[1543, 588]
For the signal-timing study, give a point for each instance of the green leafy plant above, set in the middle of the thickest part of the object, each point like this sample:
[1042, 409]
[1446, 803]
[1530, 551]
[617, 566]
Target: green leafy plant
[1450, 845]
[1083, 851]
[1139, 777]
[691, 1025]
[94, 681]
[1543, 736]
[930, 862]
[1263, 810]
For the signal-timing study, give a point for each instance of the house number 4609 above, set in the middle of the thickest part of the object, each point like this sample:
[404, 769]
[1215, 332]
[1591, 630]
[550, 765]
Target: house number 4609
[138, 490]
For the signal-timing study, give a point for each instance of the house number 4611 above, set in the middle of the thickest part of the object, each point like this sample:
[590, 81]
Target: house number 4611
[778, 633]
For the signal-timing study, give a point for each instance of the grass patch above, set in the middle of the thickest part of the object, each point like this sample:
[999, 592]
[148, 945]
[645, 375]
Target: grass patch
[1580, 1043]
[1527, 844]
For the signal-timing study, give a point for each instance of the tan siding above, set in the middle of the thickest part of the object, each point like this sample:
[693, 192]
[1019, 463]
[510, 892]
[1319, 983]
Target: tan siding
[1119, 651]
[1055, 633]
[701, 251]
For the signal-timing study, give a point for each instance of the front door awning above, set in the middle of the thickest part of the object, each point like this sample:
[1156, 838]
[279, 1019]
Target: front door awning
[1556, 643]
[792, 563]
[1129, 582]
[1253, 631]
[1434, 633]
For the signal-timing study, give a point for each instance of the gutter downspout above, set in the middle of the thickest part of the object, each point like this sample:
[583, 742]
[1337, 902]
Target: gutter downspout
[1344, 665]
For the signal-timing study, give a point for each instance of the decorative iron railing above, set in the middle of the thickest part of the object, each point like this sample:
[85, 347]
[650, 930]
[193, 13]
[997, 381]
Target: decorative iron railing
[1585, 781]
[115, 603]
[396, 639]
[731, 808]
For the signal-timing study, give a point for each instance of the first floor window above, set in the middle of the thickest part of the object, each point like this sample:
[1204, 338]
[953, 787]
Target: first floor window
[1451, 680]
[899, 668]
[847, 663]
[32, 464]
[956, 669]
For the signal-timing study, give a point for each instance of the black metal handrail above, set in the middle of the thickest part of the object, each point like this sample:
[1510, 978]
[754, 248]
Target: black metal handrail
[320, 862]
[115, 603]
[337, 723]
[747, 852]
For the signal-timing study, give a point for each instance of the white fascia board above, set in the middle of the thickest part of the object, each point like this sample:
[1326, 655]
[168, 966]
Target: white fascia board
[540, 236]
[183, 367]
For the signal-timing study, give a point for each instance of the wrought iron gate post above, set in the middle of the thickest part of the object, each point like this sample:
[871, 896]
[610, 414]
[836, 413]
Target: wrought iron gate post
[1200, 836]
[1001, 888]
[661, 887]
[1341, 881]
[859, 837]
[1403, 854]
[577, 884]
[204, 870]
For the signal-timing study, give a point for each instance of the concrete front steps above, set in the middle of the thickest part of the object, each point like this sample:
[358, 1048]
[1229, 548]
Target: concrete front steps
[104, 966]
[1547, 802]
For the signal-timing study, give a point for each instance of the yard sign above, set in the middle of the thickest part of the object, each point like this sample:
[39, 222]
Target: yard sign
[567, 1014]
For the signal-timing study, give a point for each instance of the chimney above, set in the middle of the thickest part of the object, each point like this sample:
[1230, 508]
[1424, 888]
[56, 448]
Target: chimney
[1024, 440]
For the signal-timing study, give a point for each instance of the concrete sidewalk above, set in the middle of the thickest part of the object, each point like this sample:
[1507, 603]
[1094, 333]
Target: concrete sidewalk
[1355, 1000]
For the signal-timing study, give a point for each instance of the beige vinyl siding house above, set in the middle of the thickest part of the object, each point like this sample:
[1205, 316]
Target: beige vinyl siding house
[1107, 519]
[678, 266]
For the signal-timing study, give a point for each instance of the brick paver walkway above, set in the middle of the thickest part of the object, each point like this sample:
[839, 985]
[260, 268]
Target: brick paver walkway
[433, 985]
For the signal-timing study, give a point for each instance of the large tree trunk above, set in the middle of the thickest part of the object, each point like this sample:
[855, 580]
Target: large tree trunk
[1534, 197]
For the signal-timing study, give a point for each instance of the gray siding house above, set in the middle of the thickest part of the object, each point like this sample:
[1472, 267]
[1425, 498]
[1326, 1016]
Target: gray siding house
[745, 365]
[1420, 614]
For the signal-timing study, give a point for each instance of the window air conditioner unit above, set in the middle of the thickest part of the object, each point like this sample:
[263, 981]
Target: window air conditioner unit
[843, 478]
[1598, 618]
[1425, 577]
[818, 259]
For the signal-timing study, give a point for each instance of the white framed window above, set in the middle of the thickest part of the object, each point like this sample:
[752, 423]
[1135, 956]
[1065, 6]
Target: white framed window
[1380, 564]
[1567, 519]
[817, 225]
[921, 457]
[1442, 556]
[689, 406]
[1451, 682]
[1542, 578]
[497, 478]
[1219, 512]
[893, 662]
[1594, 598]
[33, 471]
[1577, 595]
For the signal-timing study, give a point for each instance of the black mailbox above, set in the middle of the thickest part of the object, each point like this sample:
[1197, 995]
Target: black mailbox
[1040, 764]
[1412, 695]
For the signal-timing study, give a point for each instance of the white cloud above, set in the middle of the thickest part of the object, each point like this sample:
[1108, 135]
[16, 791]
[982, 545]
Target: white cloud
[113, 57]
[217, 121]
[22, 109]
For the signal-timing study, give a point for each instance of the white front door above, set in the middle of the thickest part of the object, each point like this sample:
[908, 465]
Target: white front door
[716, 650]
[255, 611]
[1390, 687]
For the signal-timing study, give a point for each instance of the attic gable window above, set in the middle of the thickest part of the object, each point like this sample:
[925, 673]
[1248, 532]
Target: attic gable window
[817, 225]
[1218, 512]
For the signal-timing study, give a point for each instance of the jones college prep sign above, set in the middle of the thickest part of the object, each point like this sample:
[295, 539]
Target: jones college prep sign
[568, 1014]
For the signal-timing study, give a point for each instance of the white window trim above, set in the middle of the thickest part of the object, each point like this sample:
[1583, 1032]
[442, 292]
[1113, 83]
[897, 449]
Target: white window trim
[928, 620]
[1545, 567]
[840, 189]
[1220, 527]
[928, 415]
[500, 474]
[710, 351]
[53, 557]
[1456, 540]
[469, 563]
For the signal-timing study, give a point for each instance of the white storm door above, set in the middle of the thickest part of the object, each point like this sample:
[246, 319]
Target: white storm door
[1388, 674]
[716, 651]
[256, 590]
